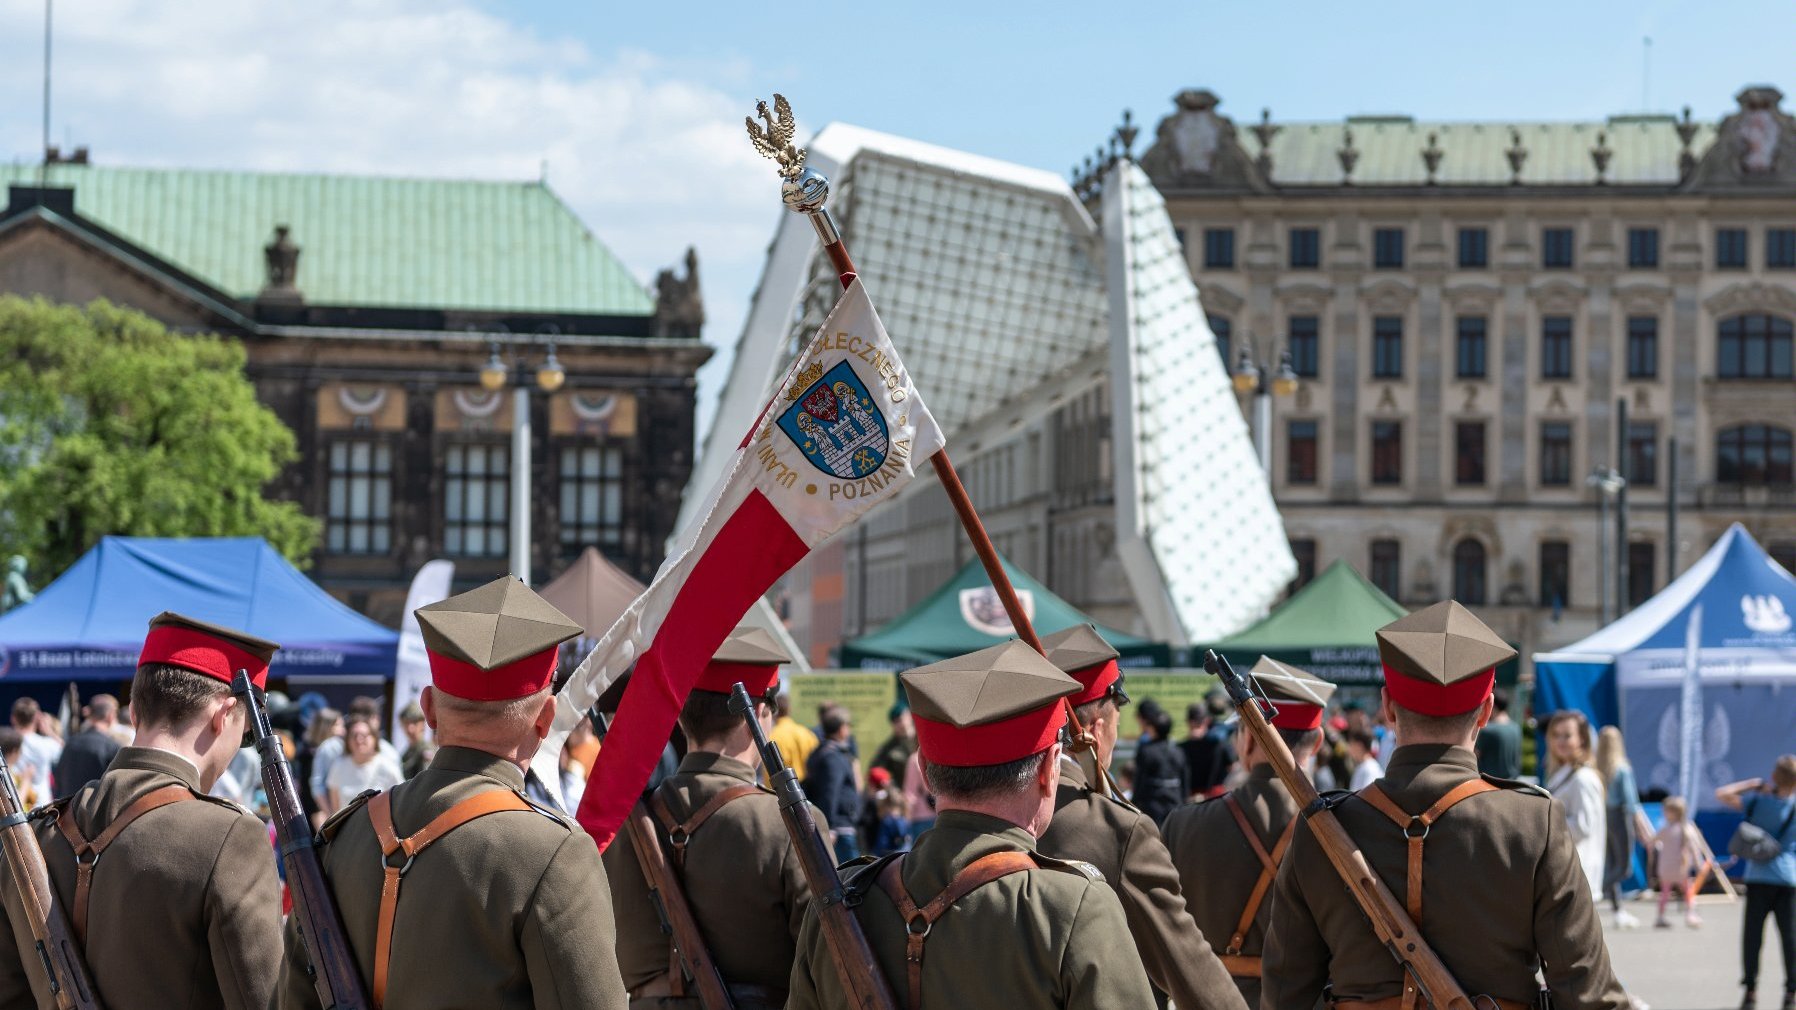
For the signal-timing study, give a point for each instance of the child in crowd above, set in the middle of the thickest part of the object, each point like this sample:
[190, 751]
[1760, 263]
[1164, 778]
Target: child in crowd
[894, 827]
[1677, 861]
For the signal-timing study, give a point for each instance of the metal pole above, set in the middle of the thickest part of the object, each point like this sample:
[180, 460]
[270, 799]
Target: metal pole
[1621, 508]
[44, 171]
[1602, 555]
[1262, 424]
[520, 480]
[1671, 509]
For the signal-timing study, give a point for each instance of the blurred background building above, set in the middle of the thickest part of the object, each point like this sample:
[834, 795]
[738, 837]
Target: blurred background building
[369, 308]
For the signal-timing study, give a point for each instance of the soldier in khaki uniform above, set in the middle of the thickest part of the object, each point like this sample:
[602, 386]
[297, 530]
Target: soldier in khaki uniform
[1228, 849]
[1501, 893]
[1019, 929]
[184, 910]
[1123, 843]
[500, 903]
[734, 860]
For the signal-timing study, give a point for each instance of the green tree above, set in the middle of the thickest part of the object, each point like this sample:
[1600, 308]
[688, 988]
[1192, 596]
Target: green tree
[111, 424]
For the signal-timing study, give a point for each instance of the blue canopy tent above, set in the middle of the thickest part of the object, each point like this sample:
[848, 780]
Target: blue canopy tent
[89, 624]
[1701, 678]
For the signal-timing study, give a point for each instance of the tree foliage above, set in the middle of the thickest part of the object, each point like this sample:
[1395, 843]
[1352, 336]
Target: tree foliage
[112, 424]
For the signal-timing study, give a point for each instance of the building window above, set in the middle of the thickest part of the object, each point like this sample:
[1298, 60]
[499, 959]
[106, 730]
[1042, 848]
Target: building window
[1730, 248]
[1473, 344]
[1753, 454]
[1474, 248]
[1555, 573]
[1304, 550]
[1387, 248]
[1643, 453]
[1780, 249]
[1219, 327]
[1643, 248]
[592, 498]
[1468, 572]
[1555, 453]
[1556, 248]
[476, 511]
[1387, 347]
[1643, 347]
[1468, 453]
[1306, 248]
[1556, 347]
[1300, 452]
[1387, 452]
[1754, 346]
[1387, 566]
[1219, 248]
[358, 518]
[1640, 572]
[1305, 341]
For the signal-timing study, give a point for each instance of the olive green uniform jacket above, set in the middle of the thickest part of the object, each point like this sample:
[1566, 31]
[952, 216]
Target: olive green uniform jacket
[740, 876]
[1050, 937]
[185, 906]
[510, 910]
[1218, 868]
[1123, 843]
[1502, 895]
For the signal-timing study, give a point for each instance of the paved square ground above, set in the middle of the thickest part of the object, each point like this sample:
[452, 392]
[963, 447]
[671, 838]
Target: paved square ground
[1692, 969]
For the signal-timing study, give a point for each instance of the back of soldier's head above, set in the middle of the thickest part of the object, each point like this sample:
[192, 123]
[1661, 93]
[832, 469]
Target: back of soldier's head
[187, 665]
[1440, 669]
[986, 721]
[749, 656]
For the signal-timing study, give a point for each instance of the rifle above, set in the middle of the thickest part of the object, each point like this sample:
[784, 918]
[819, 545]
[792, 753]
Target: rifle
[670, 901]
[1390, 923]
[70, 982]
[332, 964]
[866, 987]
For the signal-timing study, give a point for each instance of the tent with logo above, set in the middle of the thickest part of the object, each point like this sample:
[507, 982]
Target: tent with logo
[1701, 678]
[89, 624]
[964, 616]
[1326, 628]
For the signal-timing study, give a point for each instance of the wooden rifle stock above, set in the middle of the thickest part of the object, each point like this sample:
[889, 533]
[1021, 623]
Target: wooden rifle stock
[71, 985]
[332, 964]
[670, 898]
[1390, 922]
[862, 981]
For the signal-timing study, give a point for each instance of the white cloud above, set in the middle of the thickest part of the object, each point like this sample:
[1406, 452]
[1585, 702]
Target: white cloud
[651, 156]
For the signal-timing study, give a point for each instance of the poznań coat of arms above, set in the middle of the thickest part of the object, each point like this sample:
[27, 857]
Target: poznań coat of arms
[834, 423]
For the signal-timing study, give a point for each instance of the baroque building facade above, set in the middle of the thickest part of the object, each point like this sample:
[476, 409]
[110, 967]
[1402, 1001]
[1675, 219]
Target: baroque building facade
[367, 308]
[1477, 316]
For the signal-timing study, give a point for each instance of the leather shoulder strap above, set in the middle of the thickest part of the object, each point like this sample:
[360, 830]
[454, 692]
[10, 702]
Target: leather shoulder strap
[87, 853]
[1415, 827]
[919, 921]
[380, 813]
[1269, 863]
[1247, 831]
[679, 833]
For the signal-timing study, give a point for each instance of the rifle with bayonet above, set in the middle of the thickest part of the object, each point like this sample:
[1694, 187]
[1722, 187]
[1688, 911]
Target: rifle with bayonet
[71, 985]
[670, 900]
[862, 981]
[1390, 923]
[331, 963]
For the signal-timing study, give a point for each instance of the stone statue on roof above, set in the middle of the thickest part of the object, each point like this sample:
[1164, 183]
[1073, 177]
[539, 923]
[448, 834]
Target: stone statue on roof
[679, 306]
[1196, 147]
[16, 592]
[282, 259]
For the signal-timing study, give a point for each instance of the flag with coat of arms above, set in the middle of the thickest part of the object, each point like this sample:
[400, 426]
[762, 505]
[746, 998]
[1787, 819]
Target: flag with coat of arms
[844, 432]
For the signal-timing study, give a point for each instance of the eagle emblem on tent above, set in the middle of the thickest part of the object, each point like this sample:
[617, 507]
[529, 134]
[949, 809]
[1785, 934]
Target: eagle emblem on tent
[835, 423]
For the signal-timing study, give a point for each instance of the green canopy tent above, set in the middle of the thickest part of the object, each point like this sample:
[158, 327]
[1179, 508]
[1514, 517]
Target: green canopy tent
[1326, 628]
[964, 615]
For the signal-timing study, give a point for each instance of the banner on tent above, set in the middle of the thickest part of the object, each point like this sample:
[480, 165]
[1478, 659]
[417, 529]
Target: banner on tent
[1745, 717]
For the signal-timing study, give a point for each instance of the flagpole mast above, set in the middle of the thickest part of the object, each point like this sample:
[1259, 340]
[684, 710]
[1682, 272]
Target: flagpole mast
[806, 191]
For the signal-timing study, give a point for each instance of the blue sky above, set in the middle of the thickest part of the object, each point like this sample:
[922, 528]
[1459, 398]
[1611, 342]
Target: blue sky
[634, 109]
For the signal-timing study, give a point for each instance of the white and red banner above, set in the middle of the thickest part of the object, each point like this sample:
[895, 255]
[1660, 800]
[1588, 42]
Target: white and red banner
[845, 431]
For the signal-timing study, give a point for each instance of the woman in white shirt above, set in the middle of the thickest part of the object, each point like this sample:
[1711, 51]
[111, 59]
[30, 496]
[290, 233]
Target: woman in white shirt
[1578, 788]
[362, 766]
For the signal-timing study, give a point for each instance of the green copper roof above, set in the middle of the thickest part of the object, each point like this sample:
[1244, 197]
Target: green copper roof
[364, 241]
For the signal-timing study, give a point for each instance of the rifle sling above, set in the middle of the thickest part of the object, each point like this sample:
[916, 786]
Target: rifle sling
[1233, 960]
[380, 814]
[919, 921]
[87, 853]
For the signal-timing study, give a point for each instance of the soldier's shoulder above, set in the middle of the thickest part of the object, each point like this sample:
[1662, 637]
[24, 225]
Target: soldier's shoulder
[1517, 786]
[1074, 867]
[333, 824]
[235, 809]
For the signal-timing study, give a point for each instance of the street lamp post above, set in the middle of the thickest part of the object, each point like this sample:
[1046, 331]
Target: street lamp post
[1609, 482]
[548, 377]
[1252, 376]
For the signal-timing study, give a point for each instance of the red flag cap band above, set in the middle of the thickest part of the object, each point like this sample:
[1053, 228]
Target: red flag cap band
[206, 649]
[1430, 698]
[516, 679]
[1294, 716]
[722, 677]
[1094, 682]
[992, 743]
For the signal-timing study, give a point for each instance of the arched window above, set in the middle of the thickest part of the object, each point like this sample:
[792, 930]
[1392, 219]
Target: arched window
[1468, 572]
[1753, 454]
[1755, 346]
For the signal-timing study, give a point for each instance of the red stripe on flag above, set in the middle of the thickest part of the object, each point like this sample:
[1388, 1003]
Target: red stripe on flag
[753, 549]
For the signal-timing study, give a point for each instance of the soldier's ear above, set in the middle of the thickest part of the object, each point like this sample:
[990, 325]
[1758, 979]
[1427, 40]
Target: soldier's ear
[427, 700]
[545, 718]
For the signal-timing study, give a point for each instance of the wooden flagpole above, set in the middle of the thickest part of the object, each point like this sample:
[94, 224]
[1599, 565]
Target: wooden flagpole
[806, 191]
